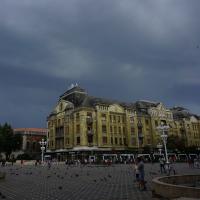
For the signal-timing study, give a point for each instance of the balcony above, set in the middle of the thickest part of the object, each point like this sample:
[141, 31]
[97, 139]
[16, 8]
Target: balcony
[103, 121]
[90, 132]
[140, 135]
[139, 125]
[89, 120]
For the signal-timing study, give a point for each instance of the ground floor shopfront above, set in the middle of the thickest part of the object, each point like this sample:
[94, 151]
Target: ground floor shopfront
[94, 154]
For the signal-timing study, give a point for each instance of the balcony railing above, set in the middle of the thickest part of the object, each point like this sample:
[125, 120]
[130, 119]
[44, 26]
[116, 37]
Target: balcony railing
[140, 135]
[139, 125]
[90, 132]
[89, 120]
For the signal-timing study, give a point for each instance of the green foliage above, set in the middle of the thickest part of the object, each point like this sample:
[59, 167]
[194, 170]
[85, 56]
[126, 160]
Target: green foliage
[9, 142]
[175, 142]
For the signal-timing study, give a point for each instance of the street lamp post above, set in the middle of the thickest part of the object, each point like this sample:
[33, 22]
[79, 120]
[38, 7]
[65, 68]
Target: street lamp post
[163, 128]
[42, 144]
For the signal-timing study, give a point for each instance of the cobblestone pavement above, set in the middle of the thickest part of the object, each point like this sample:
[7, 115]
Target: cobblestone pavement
[89, 182]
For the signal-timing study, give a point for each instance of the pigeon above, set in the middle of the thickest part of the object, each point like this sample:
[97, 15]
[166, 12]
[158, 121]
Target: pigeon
[60, 187]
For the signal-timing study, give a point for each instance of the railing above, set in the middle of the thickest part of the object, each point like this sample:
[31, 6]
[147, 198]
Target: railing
[140, 135]
[90, 132]
[89, 120]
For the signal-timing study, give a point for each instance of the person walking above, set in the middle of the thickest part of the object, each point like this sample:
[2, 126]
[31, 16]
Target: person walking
[171, 167]
[162, 165]
[142, 182]
[49, 164]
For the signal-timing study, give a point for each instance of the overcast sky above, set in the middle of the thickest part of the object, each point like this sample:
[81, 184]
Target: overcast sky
[120, 49]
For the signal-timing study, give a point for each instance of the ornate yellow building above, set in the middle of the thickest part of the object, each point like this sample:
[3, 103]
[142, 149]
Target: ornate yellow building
[80, 122]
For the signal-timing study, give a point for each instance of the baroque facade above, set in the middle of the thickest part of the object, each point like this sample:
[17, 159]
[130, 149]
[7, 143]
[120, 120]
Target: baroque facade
[80, 122]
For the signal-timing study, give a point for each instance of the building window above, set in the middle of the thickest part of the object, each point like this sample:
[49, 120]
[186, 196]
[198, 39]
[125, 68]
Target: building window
[132, 130]
[116, 140]
[104, 140]
[67, 140]
[124, 130]
[103, 117]
[133, 141]
[119, 119]
[131, 119]
[156, 123]
[111, 140]
[59, 122]
[77, 116]
[115, 130]
[104, 129]
[78, 140]
[146, 122]
[114, 118]
[125, 141]
[89, 114]
[77, 129]
[123, 119]
[67, 130]
[120, 130]
[120, 141]
[27, 145]
[148, 141]
[111, 129]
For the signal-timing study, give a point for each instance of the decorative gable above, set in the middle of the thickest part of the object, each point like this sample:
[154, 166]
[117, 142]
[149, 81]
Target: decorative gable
[116, 108]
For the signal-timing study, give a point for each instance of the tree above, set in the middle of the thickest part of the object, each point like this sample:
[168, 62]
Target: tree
[9, 142]
[175, 142]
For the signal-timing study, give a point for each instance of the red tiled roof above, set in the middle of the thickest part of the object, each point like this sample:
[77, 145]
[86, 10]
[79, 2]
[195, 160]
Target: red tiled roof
[39, 130]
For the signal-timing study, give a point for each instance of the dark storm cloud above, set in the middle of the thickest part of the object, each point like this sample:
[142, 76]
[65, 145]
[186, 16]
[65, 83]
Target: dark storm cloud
[126, 50]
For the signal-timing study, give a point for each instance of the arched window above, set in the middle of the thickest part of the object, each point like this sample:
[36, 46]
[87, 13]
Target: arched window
[34, 146]
[28, 145]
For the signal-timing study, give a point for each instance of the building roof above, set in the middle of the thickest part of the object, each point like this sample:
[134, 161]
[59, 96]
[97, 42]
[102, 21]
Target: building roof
[27, 130]
[79, 97]
[73, 89]
[181, 113]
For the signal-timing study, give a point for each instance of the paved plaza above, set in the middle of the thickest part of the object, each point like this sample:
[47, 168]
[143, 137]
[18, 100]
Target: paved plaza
[90, 182]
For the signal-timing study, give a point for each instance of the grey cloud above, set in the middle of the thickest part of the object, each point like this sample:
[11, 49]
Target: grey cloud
[125, 50]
